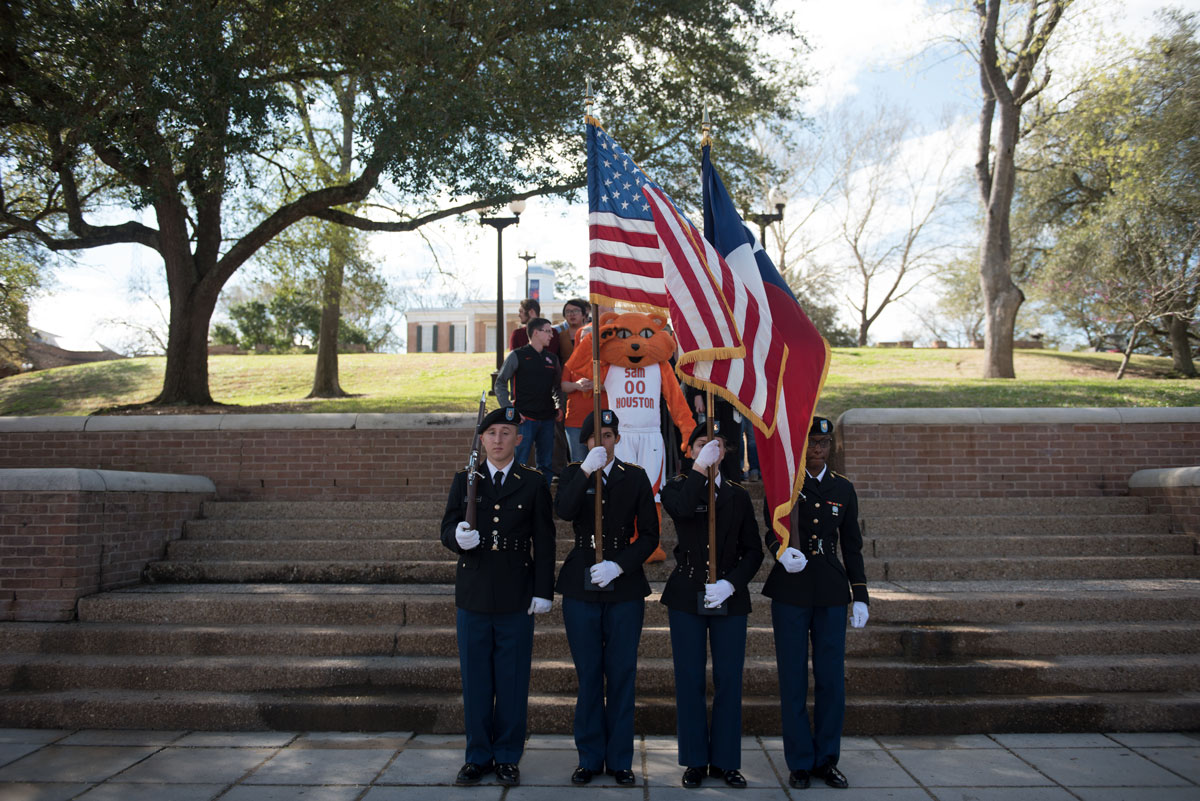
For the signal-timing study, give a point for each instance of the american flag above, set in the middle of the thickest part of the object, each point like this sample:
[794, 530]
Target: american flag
[626, 267]
[797, 385]
[726, 339]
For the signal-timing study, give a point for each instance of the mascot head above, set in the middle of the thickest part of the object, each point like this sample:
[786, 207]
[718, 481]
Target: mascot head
[634, 339]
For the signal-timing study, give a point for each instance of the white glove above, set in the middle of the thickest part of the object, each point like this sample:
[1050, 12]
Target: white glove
[792, 560]
[709, 455]
[597, 457]
[859, 615]
[601, 574]
[466, 536]
[539, 606]
[717, 594]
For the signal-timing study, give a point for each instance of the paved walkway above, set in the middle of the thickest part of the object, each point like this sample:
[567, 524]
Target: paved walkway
[96, 765]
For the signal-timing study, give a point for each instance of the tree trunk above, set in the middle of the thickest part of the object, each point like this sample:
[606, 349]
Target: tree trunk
[325, 380]
[1181, 346]
[1001, 297]
[186, 378]
[1128, 353]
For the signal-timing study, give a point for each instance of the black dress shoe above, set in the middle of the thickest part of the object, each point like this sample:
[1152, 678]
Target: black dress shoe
[625, 778]
[693, 776]
[471, 773]
[831, 775]
[799, 779]
[582, 775]
[508, 774]
[732, 778]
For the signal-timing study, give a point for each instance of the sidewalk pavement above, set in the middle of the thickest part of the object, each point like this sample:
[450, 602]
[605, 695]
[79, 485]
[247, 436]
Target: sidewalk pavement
[107, 765]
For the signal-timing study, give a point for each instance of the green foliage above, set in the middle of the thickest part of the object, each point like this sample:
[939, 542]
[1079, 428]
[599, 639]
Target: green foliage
[1113, 199]
[21, 275]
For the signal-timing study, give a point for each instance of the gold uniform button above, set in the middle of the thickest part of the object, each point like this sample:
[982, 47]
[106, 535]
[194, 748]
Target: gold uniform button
[815, 520]
[497, 507]
[816, 505]
[495, 520]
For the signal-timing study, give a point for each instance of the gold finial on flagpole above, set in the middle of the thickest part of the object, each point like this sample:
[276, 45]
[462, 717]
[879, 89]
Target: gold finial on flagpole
[706, 129]
[589, 100]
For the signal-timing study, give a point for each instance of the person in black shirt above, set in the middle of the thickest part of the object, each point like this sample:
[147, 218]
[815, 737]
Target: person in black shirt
[809, 588]
[714, 750]
[505, 575]
[604, 603]
[536, 376]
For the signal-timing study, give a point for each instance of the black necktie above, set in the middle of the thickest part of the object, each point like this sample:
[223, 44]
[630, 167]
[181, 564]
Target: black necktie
[498, 479]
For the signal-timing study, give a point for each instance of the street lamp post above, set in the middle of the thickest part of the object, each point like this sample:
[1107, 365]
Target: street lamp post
[763, 219]
[500, 223]
[527, 257]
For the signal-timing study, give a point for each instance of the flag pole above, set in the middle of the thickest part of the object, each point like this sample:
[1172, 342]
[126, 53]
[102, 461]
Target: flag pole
[598, 528]
[712, 492]
[706, 139]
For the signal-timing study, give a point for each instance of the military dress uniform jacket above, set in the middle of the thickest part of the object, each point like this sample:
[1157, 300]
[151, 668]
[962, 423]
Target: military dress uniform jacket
[824, 518]
[739, 551]
[627, 498]
[514, 560]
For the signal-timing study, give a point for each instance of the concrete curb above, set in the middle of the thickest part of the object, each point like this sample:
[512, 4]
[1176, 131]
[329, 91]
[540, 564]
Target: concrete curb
[68, 479]
[1169, 477]
[1017, 416]
[240, 422]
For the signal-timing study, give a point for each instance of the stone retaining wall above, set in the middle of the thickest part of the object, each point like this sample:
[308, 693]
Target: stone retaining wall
[1174, 492]
[970, 453]
[259, 457]
[67, 533]
[887, 452]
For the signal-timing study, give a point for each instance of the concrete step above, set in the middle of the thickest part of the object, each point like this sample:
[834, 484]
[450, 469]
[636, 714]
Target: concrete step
[899, 546]
[439, 569]
[408, 550]
[655, 675]
[376, 709]
[285, 530]
[923, 603]
[1016, 525]
[890, 640]
[1034, 567]
[391, 550]
[885, 507]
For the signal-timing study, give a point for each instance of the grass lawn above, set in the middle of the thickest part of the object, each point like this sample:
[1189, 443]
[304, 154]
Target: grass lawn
[858, 377]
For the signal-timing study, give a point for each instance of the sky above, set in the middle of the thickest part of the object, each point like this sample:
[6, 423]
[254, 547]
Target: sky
[863, 52]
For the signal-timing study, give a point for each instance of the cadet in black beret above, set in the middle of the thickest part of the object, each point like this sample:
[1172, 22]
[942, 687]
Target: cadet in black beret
[809, 588]
[604, 603]
[505, 576]
[706, 750]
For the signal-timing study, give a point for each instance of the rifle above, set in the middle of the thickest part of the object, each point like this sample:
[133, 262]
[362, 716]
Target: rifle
[473, 463]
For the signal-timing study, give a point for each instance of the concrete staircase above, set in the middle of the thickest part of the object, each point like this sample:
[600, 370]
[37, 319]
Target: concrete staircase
[987, 615]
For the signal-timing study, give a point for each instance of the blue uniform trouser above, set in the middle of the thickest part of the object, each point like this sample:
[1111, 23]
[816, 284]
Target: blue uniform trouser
[603, 638]
[699, 743]
[494, 654]
[805, 748]
[540, 432]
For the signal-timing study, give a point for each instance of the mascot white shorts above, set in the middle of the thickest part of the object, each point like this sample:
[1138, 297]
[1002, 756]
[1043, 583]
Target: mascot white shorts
[645, 449]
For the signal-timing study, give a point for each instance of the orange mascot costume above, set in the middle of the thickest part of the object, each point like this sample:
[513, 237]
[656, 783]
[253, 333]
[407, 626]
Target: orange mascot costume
[635, 353]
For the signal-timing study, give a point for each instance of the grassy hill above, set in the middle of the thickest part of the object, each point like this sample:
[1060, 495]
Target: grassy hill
[858, 377]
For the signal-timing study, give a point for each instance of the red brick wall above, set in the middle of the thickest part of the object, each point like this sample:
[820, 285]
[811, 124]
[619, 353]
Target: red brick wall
[1008, 460]
[56, 547]
[307, 464]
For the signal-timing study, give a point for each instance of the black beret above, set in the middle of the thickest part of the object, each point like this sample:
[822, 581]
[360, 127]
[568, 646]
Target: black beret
[820, 425]
[608, 419]
[505, 414]
[701, 430]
